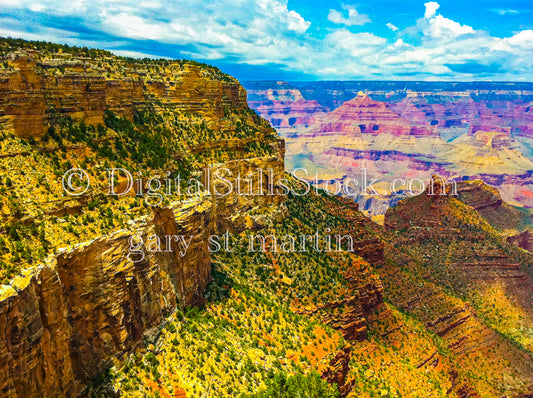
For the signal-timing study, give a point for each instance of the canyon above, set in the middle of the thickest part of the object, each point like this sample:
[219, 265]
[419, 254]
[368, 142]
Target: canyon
[88, 304]
[405, 130]
[433, 301]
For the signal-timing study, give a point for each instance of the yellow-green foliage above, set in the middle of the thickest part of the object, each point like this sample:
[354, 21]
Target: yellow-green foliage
[227, 349]
[36, 214]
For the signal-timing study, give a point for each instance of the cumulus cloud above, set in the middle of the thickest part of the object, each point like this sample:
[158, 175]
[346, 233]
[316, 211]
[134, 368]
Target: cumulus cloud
[267, 32]
[255, 32]
[431, 9]
[440, 26]
[392, 27]
[354, 18]
[522, 40]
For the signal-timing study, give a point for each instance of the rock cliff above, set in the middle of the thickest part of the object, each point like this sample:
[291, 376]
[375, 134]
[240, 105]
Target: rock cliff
[89, 304]
[523, 240]
[455, 249]
[84, 307]
[36, 88]
[435, 303]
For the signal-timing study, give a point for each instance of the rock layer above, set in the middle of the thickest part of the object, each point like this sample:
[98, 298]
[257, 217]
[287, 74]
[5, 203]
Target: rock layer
[32, 94]
[66, 321]
[92, 303]
[411, 130]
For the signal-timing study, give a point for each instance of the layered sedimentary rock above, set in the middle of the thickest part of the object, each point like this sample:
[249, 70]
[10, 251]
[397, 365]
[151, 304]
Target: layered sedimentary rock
[464, 106]
[252, 201]
[362, 115]
[67, 320]
[338, 369]
[283, 106]
[410, 130]
[350, 314]
[33, 93]
[451, 245]
[91, 303]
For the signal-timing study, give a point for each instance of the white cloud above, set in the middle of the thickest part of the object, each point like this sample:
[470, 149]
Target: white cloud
[431, 9]
[522, 40]
[440, 26]
[262, 32]
[392, 27]
[354, 18]
[355, 44]
[297, 23]
[505, 12]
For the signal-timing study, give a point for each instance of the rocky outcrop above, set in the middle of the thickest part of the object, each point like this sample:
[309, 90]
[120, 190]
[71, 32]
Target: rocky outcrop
[523, 240]
[92, 303]
[479, 195]
[411, 130]
[67, 320]
[338, 369]
[34, 91]
[283, 106]
[362, 115]
[253, 201]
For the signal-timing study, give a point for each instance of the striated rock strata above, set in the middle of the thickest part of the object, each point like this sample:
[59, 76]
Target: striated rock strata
[32, 94]
[66, 321]
[90, 304]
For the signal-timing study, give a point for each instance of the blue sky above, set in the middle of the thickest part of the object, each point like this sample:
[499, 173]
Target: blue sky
[298, 39]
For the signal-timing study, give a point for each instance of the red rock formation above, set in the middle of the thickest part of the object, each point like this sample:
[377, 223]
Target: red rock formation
[362, 115]
[66, 321]
[284, 107]
[338, 369]
[31, 95]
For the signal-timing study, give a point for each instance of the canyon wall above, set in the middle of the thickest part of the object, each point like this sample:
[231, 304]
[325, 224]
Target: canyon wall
[67, 320]
[35, 90]
[409, 130]
[82, 310]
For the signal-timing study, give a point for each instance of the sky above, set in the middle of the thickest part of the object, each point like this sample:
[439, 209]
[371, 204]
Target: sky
[298, 39]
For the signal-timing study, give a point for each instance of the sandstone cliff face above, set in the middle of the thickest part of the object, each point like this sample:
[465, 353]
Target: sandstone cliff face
[66, 321]
[90, 304]
[255, 201]
[33, 91]
[35, 339]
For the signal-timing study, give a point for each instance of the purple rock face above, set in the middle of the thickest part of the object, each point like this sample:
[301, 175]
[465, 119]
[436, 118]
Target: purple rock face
[407, 129]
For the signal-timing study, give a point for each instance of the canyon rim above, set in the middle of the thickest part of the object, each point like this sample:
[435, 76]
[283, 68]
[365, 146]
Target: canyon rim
[266, 199]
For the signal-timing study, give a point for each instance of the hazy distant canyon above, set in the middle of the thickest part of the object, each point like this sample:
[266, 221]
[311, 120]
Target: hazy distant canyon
[405, 131]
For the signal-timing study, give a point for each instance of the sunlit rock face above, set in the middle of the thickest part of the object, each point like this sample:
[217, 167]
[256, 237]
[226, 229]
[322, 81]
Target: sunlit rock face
[69, 317]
